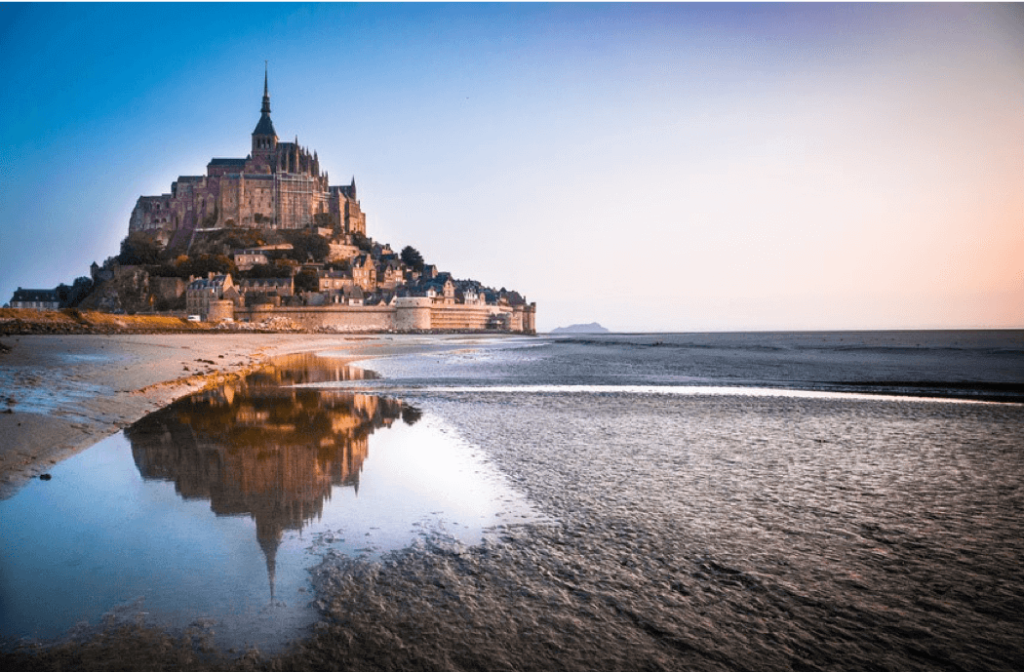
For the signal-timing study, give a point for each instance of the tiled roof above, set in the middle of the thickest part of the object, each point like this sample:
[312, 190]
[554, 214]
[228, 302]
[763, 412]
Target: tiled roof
[35, 295]
[266, 282]
[265, 126]
[206, 283]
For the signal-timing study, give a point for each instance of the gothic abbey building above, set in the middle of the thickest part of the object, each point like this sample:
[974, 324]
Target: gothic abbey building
[279, 185]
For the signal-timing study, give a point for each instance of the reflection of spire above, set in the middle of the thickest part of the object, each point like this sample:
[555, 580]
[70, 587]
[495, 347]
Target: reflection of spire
[264, 448]
[269, 535]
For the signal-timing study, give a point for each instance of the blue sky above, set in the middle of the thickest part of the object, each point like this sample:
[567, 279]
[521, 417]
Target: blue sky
[650, 167]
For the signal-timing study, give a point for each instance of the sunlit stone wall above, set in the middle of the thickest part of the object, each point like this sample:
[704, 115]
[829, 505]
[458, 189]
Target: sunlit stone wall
[410, 314]
[339, 318]
[220, 310]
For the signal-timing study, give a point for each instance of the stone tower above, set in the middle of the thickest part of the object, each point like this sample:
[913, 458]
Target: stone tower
[264, 138]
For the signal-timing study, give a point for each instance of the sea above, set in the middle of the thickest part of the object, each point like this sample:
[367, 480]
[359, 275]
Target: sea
[749, 501]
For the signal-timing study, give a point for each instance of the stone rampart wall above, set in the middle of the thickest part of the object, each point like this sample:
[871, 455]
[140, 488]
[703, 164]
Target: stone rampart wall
[340, 318]
[220, 310]
[460, 317]
[410, 315]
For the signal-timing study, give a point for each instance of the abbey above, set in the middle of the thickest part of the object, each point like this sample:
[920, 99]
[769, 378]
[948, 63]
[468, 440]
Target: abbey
[279, 185]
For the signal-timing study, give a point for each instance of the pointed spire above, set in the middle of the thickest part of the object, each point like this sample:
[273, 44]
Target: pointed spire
[266, 89]
[265, 127]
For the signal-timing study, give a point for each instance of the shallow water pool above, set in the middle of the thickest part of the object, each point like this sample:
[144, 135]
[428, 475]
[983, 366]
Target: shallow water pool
[210, 511]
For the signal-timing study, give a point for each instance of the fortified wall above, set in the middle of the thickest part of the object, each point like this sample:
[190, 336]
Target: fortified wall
[408, 314]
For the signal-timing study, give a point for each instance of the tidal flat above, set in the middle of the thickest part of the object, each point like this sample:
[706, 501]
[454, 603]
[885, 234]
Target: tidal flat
[711, 529]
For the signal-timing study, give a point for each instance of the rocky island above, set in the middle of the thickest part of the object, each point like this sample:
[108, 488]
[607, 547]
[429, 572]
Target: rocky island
[592, 328]
[267, 241]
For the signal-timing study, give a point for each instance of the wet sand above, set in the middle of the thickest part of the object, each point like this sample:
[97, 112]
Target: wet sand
[717, 533]
[60, 394]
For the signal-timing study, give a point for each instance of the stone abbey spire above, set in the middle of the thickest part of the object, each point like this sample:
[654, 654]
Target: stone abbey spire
[279, 185]
[266, 90]
[264, 138]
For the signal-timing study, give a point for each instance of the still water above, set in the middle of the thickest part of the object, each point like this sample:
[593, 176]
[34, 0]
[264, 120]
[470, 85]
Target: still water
[209, 512]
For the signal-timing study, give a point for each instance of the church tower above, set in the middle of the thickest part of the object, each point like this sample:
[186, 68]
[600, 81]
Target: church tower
[264, 138]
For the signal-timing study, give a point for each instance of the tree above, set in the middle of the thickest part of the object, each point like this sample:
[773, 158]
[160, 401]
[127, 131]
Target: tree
[63, 295]
[307, 246]
[138, 249]
[412, 258]
[307, 281]
[362, 242]
[263, 271]
[207, 263]
[81, 289]
[243, 238]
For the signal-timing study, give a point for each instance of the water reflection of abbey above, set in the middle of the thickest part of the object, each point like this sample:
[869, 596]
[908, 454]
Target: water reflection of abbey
[265, 449]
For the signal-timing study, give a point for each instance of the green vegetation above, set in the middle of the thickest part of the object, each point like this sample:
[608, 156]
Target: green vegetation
[412, 258]
[73, 295]
[362, 242]
[307, 281]
[139, 249]
[308, 246]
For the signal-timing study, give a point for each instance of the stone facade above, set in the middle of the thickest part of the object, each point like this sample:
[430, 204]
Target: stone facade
[279, 185]
[205, 297]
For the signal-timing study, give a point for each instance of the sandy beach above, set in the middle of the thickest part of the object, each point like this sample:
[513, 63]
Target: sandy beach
[63, 393]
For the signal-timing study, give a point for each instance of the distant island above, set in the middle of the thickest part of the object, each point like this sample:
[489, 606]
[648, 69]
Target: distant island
[267, 240]
[592, 328]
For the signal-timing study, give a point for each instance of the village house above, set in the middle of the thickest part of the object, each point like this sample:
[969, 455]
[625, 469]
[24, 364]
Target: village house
[364, 272]
[390, 274]
[381, 299]
[448, 292]
[267, 287]
[35, 299]
[334, 281]
[383, 251]
[206, 298]
[468, 296]
[353, 295]
[246, 259]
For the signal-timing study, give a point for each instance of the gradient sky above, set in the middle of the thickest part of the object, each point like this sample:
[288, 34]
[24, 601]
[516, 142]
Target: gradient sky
[650, 167]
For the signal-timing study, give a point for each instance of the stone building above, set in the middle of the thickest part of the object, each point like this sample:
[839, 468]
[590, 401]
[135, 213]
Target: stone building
[36, 299]
[278, 185]
[209, 299]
